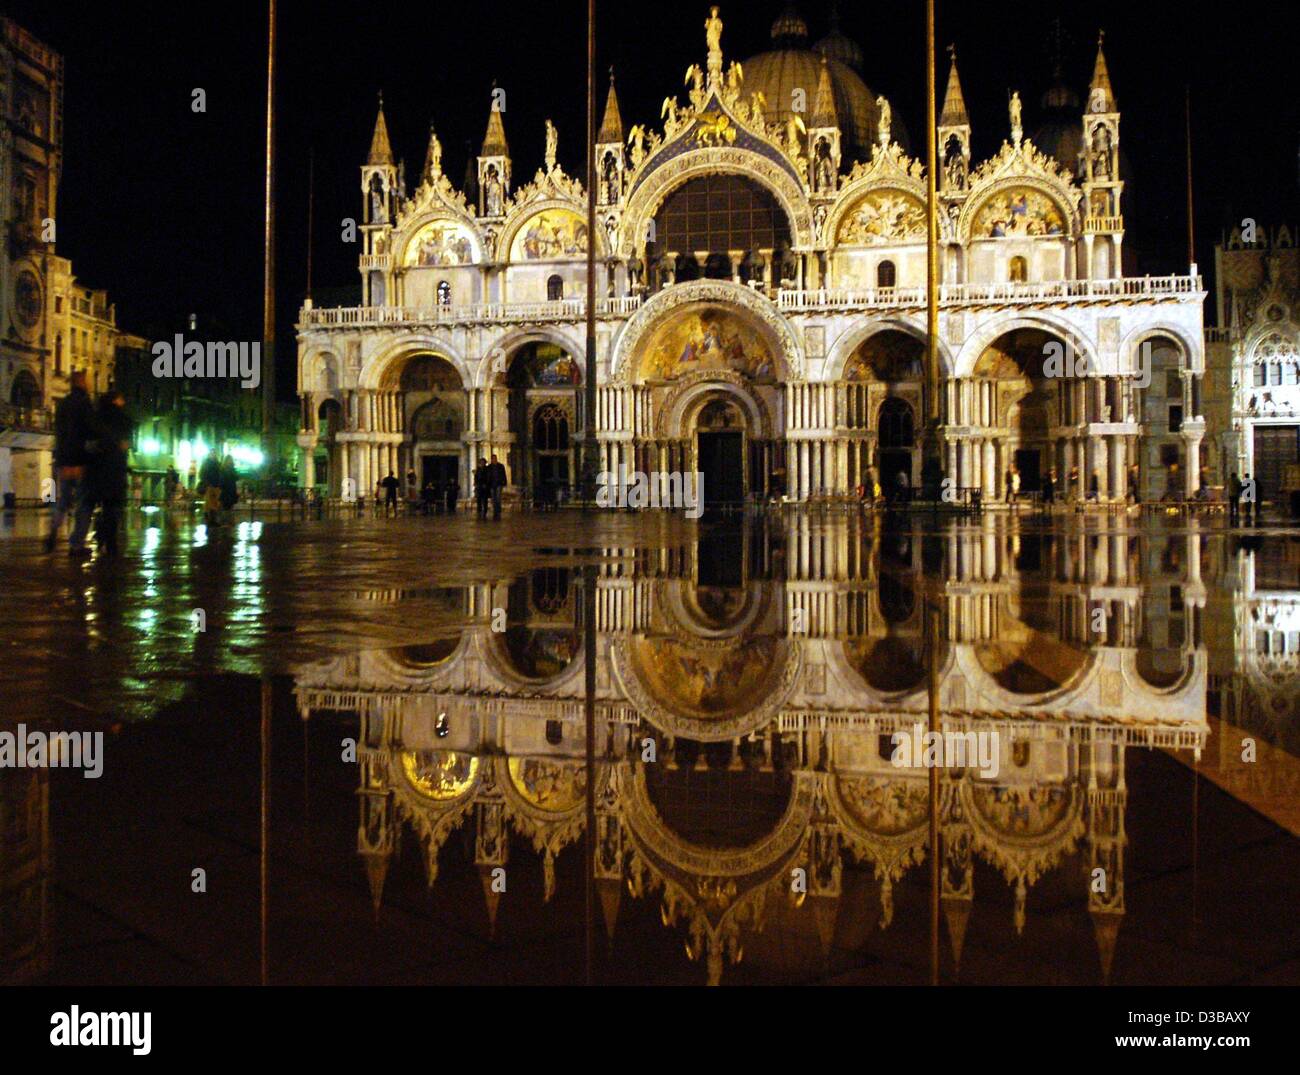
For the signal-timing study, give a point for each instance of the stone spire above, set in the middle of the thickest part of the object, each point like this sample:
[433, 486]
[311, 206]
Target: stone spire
[494, 140]
[381, 153]
[823, 113]
[611, 127]
[954, 104]
[1101, 97]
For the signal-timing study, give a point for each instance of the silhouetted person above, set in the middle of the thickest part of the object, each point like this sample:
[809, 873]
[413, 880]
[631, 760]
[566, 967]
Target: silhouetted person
[496, 481]
[108, 470]
[1234, 496]
[481, 488]
[210, 486]
[229, 484]
[391, 485]
[453, 492]
[74, 429]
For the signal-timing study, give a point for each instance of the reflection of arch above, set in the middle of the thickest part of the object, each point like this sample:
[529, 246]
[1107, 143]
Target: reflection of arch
[707, 692]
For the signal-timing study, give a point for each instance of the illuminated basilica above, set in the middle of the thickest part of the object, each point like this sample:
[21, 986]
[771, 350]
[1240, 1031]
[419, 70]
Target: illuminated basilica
[761, 262]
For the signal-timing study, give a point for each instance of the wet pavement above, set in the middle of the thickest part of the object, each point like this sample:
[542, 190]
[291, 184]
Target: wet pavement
[372, 736]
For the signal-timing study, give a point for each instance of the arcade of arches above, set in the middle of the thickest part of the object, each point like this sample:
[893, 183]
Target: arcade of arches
[711, 392]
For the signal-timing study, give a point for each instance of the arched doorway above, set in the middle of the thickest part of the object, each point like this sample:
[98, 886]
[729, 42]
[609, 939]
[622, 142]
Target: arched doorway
[720, 453]
[884, 379]
[540, 402]
[434, 412]
[1163, 458]
[25, 395]
[1018, 393]
[329, 421]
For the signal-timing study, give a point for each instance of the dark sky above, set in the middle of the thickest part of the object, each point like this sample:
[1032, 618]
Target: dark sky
[163, 206]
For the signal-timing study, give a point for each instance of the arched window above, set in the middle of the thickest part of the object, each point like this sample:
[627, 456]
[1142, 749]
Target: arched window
[895, 424]
[554, 289]
[551, 429]
[444, 293]
[885, 274]
[1018, 270]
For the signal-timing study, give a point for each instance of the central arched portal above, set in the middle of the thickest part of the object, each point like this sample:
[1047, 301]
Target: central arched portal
[720, 452]
[710, 373]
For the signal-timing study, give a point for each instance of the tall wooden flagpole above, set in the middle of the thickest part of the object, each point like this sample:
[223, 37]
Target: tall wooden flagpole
[932, 450]
[590, 448]
[268, 259]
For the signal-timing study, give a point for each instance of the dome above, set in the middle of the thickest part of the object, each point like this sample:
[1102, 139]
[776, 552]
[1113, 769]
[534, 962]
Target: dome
[1060, 135]
[793, 65]
[835, 46]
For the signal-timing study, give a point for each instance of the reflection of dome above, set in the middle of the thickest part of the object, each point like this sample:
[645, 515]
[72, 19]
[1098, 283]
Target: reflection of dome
[1026, 660]
[709, 683]
[718, 809]
[441, 775]
[539, 654]
[551, 784]
[791, 65]
[426, 654]
[888, 664]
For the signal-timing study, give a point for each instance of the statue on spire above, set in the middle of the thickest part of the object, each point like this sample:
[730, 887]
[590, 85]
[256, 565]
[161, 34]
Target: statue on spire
[713, 38]
[552, 139]
[433, 162]
[1017, 132]
[882, 126]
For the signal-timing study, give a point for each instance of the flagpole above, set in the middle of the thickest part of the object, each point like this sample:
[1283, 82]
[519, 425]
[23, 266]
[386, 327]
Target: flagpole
[268, 259]
[590, 447]
[932, 460]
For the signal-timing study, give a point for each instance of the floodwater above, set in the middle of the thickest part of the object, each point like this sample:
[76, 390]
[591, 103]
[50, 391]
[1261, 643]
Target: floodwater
[373, 751]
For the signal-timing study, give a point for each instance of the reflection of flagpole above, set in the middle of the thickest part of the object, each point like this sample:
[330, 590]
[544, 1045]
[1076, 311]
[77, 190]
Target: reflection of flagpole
[589, 713]
[932, 631]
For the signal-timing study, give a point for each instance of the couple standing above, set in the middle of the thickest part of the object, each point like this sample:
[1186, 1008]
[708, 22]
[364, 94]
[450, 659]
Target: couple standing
[489, 480]
[90, 460]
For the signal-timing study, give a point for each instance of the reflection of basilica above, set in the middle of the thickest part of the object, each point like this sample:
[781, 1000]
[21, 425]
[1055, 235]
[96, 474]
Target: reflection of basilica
[761, 313]
[771, 695]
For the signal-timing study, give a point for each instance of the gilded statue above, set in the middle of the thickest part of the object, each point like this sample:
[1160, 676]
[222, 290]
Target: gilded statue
[886, 115]
[552, 139]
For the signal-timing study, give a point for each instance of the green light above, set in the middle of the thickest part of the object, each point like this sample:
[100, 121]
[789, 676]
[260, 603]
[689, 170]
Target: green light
[150, 446]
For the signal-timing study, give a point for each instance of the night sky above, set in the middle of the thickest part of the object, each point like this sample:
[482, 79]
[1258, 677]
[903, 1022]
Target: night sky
[163, 207]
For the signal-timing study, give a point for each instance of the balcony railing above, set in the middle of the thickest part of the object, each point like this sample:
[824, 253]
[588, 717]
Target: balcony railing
[561, 310]
[994, 294]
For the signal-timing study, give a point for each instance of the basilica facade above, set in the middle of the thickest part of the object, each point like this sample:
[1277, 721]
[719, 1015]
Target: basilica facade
[761, 302]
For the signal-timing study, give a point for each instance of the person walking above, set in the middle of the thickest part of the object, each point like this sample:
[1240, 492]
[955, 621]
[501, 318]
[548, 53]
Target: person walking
[391, 485]
[1049, 488]
[229, 484]
[74, 429]
[481, 488]
[496, 482]
[107, 471]
[210, 488]
[1234, 496]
